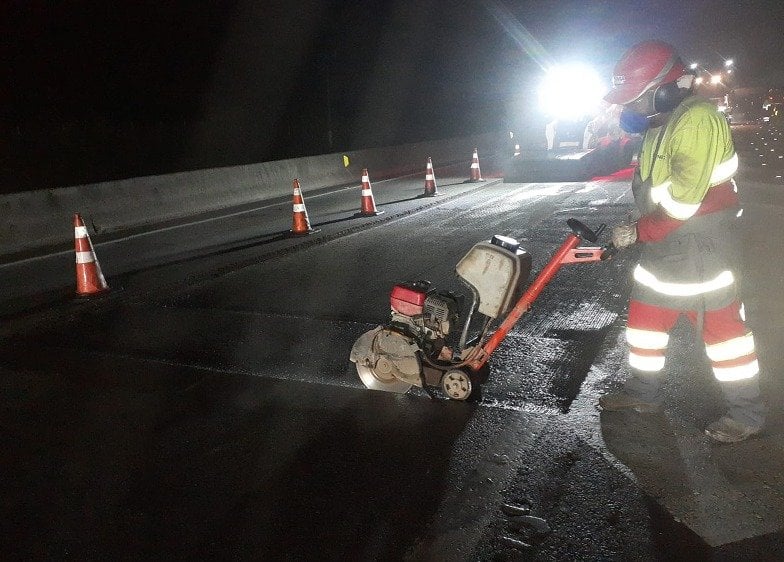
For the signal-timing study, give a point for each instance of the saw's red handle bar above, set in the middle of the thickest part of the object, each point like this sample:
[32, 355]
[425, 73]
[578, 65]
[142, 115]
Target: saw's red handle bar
[567, 253]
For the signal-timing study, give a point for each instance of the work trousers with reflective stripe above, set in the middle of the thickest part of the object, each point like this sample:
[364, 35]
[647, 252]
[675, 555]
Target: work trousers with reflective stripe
[729, 345]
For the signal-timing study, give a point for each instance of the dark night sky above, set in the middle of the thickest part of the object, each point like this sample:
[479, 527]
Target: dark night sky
[237, 81]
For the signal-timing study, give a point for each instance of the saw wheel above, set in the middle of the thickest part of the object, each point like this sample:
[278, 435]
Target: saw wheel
[456, 384]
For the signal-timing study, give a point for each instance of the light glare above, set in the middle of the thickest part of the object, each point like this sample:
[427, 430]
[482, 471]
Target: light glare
[571, 91]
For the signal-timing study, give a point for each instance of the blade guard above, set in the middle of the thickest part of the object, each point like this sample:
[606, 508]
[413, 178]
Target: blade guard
[362, 350]
[387, 360]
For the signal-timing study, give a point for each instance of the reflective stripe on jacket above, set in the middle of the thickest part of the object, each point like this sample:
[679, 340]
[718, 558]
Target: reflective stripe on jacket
[692, 267]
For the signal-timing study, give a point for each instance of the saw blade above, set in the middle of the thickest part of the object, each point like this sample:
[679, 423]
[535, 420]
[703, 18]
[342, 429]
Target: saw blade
[374, 382]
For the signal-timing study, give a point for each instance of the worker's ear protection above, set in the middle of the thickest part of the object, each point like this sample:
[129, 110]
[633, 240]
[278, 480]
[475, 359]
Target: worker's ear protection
[667, 96]
[663, 99]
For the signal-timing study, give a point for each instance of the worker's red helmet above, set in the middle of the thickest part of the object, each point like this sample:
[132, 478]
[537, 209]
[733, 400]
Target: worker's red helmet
[644, 67]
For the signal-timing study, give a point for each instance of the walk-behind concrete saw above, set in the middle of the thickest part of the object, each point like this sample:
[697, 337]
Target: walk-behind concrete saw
[412, 348]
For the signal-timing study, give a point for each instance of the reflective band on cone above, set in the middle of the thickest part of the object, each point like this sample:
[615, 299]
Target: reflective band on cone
[431, 189]
[476, 173]
[367, 204]
[84, 257]
[89, 277]
[300, 221]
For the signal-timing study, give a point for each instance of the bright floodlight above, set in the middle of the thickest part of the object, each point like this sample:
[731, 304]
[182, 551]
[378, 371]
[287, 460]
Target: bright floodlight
[571, 92]
[729, 62]
[716, 79]
[693, 66]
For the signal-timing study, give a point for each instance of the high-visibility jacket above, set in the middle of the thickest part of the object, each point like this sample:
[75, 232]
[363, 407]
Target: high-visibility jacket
[689, 202]
[695, 153]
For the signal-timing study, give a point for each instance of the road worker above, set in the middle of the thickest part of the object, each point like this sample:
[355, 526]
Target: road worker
[687, 201]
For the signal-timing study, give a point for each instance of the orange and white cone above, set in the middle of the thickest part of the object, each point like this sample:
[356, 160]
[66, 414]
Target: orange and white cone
[368, 204]
[431, 189]
[476, 174]
[300, 222]
[89, 278]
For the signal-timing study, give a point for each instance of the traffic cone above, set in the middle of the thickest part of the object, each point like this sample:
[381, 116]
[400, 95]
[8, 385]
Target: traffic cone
[368, 204]
[300, 222]
[89, 278]
[431, 189]
[476, 174]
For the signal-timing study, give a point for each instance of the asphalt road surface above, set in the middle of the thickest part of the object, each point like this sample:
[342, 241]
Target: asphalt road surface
[205, 407]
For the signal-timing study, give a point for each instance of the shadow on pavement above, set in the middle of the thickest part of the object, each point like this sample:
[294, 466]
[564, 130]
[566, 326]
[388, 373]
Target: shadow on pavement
[707, 501]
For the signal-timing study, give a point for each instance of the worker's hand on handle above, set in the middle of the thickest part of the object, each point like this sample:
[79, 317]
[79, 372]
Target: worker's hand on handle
[624, 235]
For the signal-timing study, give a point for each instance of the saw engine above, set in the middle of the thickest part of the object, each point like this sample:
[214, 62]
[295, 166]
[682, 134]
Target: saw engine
[414, 347]
[394, 357]
[425, 315]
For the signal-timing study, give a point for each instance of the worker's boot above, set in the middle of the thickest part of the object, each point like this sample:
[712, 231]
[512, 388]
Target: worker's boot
[641, 392]
[746, 414]
[729, 430]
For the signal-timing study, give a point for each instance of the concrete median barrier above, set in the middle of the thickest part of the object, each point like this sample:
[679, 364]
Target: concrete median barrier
[38, 221]
[567, 165]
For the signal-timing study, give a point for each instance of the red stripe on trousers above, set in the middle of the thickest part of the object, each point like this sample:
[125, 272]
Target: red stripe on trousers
[718, 325]
[642, 352]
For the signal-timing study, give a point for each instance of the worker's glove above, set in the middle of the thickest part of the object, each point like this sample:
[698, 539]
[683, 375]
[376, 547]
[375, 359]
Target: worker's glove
[624, 235]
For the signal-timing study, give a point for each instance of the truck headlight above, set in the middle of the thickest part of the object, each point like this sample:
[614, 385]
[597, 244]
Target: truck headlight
[571, 92]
